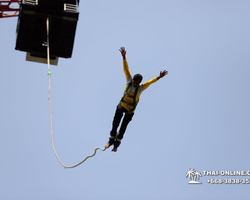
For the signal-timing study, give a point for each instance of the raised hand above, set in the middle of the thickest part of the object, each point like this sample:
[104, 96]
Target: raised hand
[162, 74]
[123, 52]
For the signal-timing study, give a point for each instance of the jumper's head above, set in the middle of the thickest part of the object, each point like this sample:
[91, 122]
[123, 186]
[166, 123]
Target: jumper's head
[137, 80]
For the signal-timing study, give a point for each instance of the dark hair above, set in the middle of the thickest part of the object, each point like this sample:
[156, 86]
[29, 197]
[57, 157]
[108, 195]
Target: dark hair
[137, 77]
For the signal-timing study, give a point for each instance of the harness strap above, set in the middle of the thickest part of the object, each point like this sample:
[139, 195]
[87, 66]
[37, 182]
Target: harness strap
[134, 104]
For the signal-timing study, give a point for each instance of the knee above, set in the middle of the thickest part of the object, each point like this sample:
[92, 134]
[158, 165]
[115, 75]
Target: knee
[129, 117]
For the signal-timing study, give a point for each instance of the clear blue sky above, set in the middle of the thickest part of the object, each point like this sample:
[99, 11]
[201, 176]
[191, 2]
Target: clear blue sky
[195, 117]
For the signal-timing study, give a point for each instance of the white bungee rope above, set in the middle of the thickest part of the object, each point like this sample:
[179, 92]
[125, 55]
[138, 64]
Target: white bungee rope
[51, 126]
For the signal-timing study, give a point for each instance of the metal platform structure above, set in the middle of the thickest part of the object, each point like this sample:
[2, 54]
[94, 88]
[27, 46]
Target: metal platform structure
[31, 29]
[9, 8]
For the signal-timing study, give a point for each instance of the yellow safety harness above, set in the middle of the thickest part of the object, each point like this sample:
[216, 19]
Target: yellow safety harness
[134, 104]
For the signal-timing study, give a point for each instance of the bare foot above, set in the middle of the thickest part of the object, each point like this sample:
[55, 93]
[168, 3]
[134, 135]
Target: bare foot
[114, 149]
[107, 145]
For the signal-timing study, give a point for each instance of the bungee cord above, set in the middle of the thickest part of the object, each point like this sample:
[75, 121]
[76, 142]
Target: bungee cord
[50, 106]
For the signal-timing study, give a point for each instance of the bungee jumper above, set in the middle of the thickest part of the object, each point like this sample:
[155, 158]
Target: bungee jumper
[128, 102]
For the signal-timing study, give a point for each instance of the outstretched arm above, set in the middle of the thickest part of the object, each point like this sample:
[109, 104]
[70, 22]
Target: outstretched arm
[125, 63]
[148, 83]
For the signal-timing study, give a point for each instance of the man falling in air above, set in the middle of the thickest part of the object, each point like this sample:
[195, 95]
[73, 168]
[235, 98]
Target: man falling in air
[128, 102]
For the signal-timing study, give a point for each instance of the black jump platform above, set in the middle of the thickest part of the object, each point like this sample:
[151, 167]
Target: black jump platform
[32, 32]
